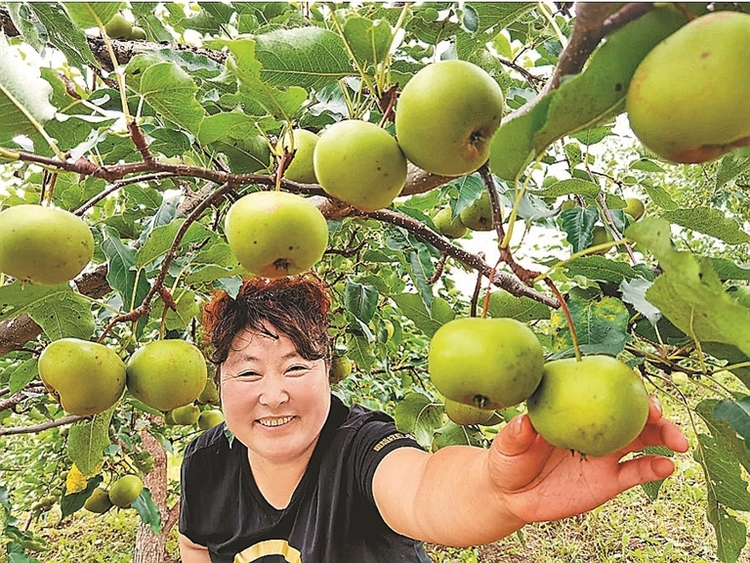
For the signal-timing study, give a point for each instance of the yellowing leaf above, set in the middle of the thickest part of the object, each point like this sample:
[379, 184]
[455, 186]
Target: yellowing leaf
[76, 481]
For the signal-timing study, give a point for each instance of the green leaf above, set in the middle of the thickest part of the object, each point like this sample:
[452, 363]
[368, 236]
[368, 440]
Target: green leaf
[57, 309]
[24, 95]
[65, 36]
[161, 239]
[601, 326]
[412, 305]
[283, 104]
[645, 165]
[121, 275]
[417, 415]
[581, 101]
[709, 221]
[689, 293]
[524, 309]
[73, 502]
[731, 166]
[368, 40]
[360, 350]
[737, 414]
[660, 197]
[724, 434]
[170, 91]
[727, 270]
[91, 14]
[578, 224]
[572, 186]
[187, 310]
[361, 300]
[733, 356]
[306, 57]
[148, 511]
[22, 375]
[600, 268]
[453, 434]
[87, 440]
[498, 15]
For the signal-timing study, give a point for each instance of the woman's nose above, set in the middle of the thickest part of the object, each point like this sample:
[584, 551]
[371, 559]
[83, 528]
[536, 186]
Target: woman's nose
[273, 393]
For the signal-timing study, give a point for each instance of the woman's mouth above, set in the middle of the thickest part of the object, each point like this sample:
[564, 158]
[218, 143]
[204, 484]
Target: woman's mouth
[275, 421]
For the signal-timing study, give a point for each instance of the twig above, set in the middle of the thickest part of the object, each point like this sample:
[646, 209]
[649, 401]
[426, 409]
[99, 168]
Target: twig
[33, 429]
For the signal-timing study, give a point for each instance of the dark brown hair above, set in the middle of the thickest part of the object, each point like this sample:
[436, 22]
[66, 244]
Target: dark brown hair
[296, 306]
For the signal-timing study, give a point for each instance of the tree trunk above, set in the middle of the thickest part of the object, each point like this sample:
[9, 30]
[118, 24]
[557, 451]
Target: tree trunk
[150, 547]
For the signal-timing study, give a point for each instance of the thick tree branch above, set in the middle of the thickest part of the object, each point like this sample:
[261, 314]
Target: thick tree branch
[34, 429]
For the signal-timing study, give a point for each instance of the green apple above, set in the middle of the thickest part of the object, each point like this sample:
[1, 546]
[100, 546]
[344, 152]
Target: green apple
[341, 367]
[210, 393]
[461, 413]
[600, 235]
[166, 374]
[446, 116]
[98, 502]
[43, 245]
[125, 490]
[276, 234]
[186, 414]
[488, 363]
[595, 406]
[86, 377]
[301, 168]
[448, 225]
[634, 207]
[688, 99]
[210, 418]
[360, 164]
[119, 27]
[478, 215]
[138, 33]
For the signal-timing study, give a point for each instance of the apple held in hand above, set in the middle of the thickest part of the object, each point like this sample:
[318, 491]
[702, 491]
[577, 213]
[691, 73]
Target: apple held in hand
[688, 99]
[446, 116]
[86, 377]
[276, 234]
[301, 169]
[360, 164]
[166, 374]
[487, 363]
[43, 245]
[594, 406]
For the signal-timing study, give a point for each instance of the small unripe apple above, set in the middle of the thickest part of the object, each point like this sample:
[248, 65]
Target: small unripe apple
[119, 27]
[478, 215]
[341, 367]
[688, 99]
[600, 235]
[448, 225]
[87, 377]
[138, 33]
[125, 490]
[487, 363]
[446, 116]
[461, 413]
[595, 406]
[360, 164]
[186, 414]
[276, 234]
[43, 245]
[634, 207]
[301, 167]
[166, 374]
[98, 502]
[210, 393]
[209, 419]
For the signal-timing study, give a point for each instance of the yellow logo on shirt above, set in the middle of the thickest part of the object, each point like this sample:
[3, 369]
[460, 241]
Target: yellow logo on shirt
[269, 547]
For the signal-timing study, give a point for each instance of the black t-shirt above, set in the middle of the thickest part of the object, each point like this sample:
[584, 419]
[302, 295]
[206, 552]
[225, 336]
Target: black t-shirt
[331, 517]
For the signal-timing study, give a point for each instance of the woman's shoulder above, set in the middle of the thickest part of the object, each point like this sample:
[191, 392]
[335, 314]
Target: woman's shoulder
[214, 439]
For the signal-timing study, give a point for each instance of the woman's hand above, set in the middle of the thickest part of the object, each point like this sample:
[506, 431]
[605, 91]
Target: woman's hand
[540, 482]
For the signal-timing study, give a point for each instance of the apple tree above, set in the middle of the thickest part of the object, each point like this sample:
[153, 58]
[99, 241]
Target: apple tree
[490, 171]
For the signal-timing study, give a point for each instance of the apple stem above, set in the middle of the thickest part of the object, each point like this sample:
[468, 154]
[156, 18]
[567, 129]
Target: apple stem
[568, 318]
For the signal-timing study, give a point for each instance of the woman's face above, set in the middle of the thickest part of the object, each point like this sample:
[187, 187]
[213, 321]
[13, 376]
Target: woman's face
[274, 401]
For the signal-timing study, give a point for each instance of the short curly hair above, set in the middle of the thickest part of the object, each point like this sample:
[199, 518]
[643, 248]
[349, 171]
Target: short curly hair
[296, 306]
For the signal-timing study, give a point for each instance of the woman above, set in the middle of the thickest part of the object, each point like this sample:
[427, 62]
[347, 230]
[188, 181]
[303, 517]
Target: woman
[297, 476]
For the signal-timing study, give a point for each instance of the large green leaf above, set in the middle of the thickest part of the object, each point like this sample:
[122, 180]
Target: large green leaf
[24, 95]
[91, 14]
[57, 309]
[737, 415]
[87, 440]
[601, 326]
[121, 273]
[361, 300]
[709, 221]
[600, 268]
[689, 293]
[368, 40]
[505, 305]
[65, 36]
[161, 239]
[582, 101]
[169, 90]
[418, 416]
[412, 305]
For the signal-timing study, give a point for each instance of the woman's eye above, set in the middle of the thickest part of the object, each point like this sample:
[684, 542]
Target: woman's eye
[248, 375]
[296, 371]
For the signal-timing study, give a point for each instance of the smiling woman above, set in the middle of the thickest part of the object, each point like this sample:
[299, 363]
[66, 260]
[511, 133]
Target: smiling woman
[296, 475]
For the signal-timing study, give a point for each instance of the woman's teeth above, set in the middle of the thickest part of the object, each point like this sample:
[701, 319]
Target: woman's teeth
[274, 421]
